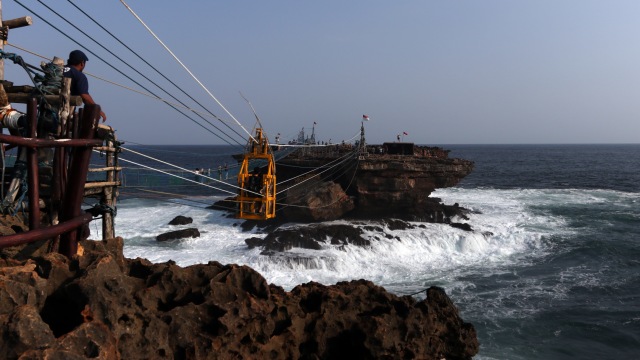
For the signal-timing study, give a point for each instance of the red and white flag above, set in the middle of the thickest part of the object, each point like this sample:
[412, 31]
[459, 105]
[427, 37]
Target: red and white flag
[365, 117]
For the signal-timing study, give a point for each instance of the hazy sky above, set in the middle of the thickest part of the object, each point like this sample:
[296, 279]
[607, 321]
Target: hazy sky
[442, 71]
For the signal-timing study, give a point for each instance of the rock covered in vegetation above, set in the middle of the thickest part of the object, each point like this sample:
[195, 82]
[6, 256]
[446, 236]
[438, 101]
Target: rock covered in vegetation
[102, 305]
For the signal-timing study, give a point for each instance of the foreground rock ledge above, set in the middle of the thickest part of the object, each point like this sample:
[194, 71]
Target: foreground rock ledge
[102, 305]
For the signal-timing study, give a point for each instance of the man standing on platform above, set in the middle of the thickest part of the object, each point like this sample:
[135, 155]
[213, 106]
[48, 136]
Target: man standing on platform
[79, 83]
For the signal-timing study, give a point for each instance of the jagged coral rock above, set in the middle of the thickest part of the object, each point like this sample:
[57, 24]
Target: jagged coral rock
[101, 305]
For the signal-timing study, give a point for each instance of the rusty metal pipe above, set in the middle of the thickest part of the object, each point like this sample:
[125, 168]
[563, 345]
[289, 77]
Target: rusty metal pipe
[32, 168]
[45, 233]
[77, 177]
[39, 143]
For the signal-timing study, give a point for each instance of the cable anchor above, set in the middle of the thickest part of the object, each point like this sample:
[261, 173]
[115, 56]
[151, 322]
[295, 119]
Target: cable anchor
[4, 34]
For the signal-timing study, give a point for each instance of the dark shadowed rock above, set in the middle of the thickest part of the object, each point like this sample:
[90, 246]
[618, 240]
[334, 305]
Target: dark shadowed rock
[315, 236]
[310, 237]
[181, 220]
[396, 224]
[179, 234]
[109, 307]
[253, 242]
[461, 226]
[326, 201]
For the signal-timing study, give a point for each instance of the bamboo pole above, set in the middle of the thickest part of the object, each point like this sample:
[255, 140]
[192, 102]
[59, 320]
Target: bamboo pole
[108, 200]
[115, 168]
[91, 185]
[18, 23]
[106, 148]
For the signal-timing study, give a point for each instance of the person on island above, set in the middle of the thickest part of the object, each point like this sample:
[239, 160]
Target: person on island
[79, 84]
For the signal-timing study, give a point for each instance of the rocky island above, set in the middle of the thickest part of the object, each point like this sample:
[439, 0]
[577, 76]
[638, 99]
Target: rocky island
[387, 185]
[392, 180]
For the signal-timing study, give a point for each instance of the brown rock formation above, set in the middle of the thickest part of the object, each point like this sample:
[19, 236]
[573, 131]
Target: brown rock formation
[401, 188]
[101, 305]
[327, 201]
[380, 185]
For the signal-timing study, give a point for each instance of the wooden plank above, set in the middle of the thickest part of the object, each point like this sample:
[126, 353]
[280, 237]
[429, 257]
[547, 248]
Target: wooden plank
[23, 98]
[19, 89]
[91, 185]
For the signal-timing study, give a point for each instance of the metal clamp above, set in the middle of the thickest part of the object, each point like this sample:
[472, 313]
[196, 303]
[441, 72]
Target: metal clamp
[4, 34]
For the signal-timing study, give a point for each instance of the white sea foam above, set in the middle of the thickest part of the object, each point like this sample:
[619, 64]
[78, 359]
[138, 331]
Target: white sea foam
[511, 226]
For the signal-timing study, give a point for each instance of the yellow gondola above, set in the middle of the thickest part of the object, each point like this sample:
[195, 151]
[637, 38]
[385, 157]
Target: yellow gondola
[257, 188]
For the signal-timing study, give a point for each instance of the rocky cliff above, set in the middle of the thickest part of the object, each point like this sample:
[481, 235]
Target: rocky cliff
[400, 187]
[102, 305]
[326, 185]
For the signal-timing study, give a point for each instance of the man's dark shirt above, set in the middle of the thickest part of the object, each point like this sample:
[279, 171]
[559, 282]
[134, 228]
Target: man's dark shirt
[79, 82]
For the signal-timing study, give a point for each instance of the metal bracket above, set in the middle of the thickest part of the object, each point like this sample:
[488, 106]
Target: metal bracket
[4, 34]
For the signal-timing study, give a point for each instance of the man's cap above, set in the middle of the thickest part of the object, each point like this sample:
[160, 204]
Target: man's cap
[77, 56]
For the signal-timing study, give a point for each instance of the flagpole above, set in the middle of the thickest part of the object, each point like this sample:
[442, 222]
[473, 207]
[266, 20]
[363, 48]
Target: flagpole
[363, 145]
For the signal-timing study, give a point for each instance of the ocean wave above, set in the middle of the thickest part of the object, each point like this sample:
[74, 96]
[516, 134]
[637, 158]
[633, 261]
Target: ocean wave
[508, 230]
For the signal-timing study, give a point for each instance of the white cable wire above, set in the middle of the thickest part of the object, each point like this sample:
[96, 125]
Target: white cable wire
[195, 111]
[177, 167]
[179, 177]
[184, 67]
[345, 158]
[340, 159]
[327, 205]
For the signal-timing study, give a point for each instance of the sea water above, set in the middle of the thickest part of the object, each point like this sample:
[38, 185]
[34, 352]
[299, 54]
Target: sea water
[551, 270]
